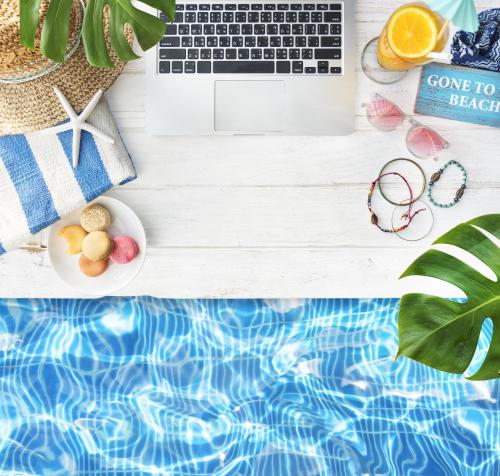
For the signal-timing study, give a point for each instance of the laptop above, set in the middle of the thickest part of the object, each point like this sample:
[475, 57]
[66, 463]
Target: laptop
[260, 68]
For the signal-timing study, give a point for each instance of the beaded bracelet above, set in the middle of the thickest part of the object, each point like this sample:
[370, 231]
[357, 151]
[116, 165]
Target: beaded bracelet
[437, 175]
[408, 215]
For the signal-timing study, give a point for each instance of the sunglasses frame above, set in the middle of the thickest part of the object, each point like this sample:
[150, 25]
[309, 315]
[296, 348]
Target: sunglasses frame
[413, 124]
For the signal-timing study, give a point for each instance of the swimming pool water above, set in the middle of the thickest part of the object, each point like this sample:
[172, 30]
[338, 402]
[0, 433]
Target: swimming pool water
[144, 386]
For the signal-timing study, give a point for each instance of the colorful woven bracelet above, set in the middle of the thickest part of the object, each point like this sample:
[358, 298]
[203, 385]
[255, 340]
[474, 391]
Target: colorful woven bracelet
[408, 215]
[458, 194]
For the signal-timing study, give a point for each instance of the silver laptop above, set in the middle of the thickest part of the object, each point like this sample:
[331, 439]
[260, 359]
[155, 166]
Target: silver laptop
[268, 67]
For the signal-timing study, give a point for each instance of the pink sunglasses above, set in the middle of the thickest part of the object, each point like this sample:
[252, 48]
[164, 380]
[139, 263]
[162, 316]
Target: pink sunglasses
[422, 141]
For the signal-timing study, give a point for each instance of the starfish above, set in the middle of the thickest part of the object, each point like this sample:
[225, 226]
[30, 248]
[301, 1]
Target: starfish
[77, 123]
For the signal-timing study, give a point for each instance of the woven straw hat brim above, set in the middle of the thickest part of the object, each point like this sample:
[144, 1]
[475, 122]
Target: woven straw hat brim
[32, 105]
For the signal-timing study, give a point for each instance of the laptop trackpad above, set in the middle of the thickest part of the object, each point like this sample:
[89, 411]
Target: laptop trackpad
[249, 106]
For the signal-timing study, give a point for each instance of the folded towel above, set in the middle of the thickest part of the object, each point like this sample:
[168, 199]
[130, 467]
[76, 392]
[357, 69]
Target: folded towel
[38, 184]
[480, 49]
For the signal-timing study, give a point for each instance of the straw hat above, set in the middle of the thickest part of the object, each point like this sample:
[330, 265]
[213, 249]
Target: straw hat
[32, 105]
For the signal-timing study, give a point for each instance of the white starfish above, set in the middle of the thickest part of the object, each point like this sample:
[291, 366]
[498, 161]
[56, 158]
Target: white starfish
[77, 123]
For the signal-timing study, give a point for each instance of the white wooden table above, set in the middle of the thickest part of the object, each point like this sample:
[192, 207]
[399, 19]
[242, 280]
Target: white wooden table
[273, 216]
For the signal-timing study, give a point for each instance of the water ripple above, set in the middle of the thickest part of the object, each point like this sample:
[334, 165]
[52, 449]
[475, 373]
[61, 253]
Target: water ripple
[144, 386]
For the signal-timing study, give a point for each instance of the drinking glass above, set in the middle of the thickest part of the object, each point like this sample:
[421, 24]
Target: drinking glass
[414, 35]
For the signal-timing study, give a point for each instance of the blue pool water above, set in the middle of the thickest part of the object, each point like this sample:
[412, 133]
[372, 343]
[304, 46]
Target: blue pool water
[143, 386]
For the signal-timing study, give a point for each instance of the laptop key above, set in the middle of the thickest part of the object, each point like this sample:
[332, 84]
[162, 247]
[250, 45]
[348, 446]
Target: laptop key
[217, 6]
[171, 30]
[191, 6]
[285, 29]
[259, 29]
[329, 41]
[189, 67]
[202, 17]
[246, 29]
[332, 17]
[176, 66]
[215, 17]
[204, 6]
[325, 53]
[177, 53]
[297, 67]
[243, 6]
[190, 17]
[256, 53]
[275, 41]
[243, 53]
[268, 53]
[323, 29]
[224, 41]
[187, 42]
[234, 29]
[196, 29]
[310, 70]
[335, 29]
[218, 53]
[209, 29]
[164, 67]
[231, 53]
[336, 70]
[193, 54]
[199, 41]
[183, 29]
[262, 41]
[237, 42]
[240, 17]
[313, 42]
[294, 53]
[283, 67]
[281, 53]
[250, 41]
[243, 67]
[205, 54]
[170, 41]
[307, 53]
[221, 29]
[204, 67]
[257, 6]
[212, 41]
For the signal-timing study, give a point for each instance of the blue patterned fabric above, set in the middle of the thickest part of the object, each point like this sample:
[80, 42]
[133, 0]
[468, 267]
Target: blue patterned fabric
[38, 183]
[480, 49]
[144, 386]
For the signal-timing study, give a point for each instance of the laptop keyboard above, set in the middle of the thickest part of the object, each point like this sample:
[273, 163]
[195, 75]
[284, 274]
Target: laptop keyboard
[264, 38]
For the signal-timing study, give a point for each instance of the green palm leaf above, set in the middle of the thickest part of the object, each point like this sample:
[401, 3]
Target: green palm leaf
[442, 333]
[148, 29]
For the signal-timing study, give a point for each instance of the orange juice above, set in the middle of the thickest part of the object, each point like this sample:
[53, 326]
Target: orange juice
[412, 33]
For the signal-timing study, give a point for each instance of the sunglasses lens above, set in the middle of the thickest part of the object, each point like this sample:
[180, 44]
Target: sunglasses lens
[384, 115]
[424, 142]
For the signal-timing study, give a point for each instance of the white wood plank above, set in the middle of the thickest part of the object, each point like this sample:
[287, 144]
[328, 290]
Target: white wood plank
[237, 273]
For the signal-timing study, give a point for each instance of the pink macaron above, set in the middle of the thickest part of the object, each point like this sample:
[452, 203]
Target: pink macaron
[125, 249]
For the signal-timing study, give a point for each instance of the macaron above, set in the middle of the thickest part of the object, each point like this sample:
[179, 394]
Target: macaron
[92, 269]
[125, 249]
[97, 246]
[74, 235]
[95, 218]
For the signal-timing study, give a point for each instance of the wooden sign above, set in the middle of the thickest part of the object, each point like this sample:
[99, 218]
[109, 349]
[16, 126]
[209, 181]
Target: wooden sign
[460, 94]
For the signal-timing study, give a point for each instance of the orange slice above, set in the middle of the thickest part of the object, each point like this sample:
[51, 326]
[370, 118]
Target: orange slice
[412, 32]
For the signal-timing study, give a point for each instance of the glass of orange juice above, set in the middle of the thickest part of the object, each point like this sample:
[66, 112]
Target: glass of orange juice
[413, 35]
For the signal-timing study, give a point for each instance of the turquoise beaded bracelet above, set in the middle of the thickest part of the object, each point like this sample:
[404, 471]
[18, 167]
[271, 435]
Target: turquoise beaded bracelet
[458, 194]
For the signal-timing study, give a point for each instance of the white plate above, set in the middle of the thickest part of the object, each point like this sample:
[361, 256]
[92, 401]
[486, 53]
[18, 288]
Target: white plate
[123, 222]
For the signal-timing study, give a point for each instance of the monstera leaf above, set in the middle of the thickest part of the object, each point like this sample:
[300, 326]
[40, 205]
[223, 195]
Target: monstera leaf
[442, 333]
[148, 29]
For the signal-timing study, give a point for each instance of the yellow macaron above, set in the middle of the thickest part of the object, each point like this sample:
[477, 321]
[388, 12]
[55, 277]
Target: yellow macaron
[97, 246]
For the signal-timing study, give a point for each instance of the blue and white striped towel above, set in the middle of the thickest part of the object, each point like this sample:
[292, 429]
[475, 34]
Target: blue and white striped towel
[38, 184]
